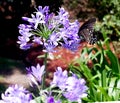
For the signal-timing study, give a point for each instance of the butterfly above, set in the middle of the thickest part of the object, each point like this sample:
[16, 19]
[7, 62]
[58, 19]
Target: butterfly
[87, 33]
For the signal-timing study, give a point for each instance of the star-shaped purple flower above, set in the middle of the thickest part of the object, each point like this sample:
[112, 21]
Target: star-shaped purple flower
[36, 73]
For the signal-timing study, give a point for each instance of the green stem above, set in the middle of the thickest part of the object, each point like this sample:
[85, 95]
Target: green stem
[44, 76]
[103, 77]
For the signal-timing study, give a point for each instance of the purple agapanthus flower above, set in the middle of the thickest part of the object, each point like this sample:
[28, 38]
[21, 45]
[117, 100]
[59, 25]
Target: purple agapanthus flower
[49, 30]
[72, 87]
[36, 73]
[16, 94]
[60, 78]
[75, 89]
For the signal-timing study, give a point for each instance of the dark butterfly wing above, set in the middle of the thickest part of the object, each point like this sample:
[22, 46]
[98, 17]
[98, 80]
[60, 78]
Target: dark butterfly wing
[86, 31]
[88, 24]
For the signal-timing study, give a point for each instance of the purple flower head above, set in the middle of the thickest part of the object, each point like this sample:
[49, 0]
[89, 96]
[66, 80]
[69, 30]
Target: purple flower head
[36, 73]
[59, 78]
[75, 89]
[16, 94]
[72, 87]
[49, 30]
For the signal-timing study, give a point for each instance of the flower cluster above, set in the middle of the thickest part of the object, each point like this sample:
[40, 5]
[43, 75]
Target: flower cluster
[70, 87]
[49, 30]
[36, 73]
[16, 94]
[73, 88]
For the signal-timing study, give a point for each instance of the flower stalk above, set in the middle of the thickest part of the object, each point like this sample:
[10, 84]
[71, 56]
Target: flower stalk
[45, 74]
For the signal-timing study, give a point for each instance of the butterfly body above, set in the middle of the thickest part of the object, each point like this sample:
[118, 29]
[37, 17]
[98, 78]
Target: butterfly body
[86, 31]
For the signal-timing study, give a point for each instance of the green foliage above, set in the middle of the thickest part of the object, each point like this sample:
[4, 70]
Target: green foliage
[104, 7]
[108, 12]
[103, 77]
[109, 27]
